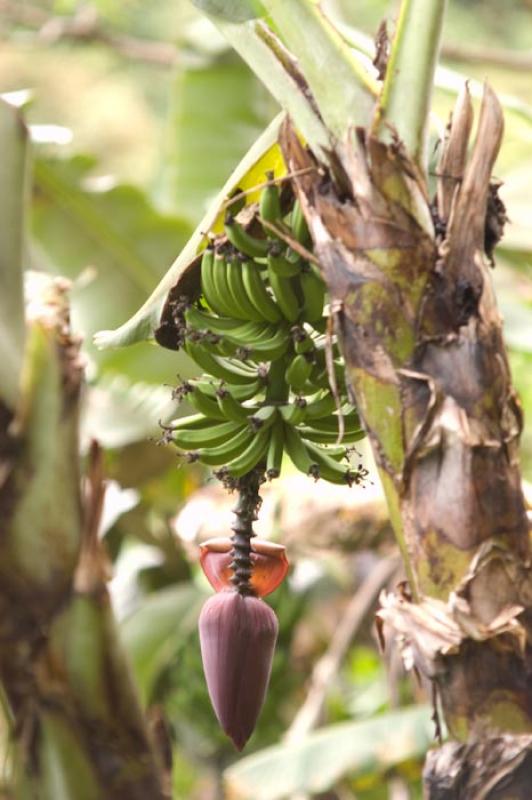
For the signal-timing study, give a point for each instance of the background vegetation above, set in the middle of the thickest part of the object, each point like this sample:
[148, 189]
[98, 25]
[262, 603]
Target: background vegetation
[138, 113]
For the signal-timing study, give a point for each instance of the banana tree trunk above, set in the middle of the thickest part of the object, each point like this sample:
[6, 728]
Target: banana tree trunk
[422, 340]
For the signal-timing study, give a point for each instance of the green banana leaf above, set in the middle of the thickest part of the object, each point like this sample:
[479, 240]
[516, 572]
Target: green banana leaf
[110, 240]
[317, 762]
[231, 10]
[262, 156]
[13, 185]
[218, 110]
[119, 412]
[152, 633]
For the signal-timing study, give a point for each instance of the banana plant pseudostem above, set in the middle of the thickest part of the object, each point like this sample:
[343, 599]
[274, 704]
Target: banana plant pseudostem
[408, 277]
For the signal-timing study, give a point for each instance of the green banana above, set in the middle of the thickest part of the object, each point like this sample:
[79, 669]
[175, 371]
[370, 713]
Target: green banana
[279, 265]
[231, 408]
[219, 367]
[246, 331]
[204, 404]
[319, 375]
[275, 450]
[207, 282]
[322, 407]
[284, 294]
[329, 469]
[298, 372]
[221, 289]
[205, 437]
[239, 392]
[243, 241]
[192, 422]
[298, 224]
[330, 437]
[258, 294]
[201, 321]
[298, 453]
[277, 389]
[243, 307]
[303, 343]
[331, 423]
[216, 456]
[263, 417]
[313, 290]
[270, 202]
[268, 346]
[249, 458]
[294, 413]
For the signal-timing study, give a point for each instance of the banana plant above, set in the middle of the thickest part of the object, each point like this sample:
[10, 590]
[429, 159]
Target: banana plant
[413, 309]
[74, 719]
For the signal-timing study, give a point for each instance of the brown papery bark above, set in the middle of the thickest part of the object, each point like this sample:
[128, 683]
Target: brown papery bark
[416, 315]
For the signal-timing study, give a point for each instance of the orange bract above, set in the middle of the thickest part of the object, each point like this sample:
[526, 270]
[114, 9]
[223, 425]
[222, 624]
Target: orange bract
[270, 564]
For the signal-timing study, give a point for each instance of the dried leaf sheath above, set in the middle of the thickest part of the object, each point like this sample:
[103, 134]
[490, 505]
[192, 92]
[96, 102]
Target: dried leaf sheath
[422, 340]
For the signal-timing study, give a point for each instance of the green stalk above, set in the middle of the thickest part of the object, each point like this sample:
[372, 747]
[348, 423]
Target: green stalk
[405, 100]
[13, 192]
[343, 89]
[264, 53]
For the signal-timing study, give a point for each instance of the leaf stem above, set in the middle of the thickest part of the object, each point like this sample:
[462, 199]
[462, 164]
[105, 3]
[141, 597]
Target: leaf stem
[344, 91]
[405, 99]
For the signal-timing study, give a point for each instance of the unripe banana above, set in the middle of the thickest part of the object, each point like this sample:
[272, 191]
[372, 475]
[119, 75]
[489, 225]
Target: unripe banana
[263, 418]
[240, 393]
[207, 281]
[329, 469]
[231, 408]
[269, 204]
[201, 321]
[322, 407]
[233, 447]
[295, 412]
[298, 372]
[204, 404]
[219, 367]
[258, 294]
[275, 451]
[240, 300]
[243, 241]
[254, 453]
[284, 293]
[279, 264]
[299, 224]
[303, 343]
[192, 422]
[313, 290]
[329, 437]
[222, 296]
[210, 436]
[267, 346]
[298, 453]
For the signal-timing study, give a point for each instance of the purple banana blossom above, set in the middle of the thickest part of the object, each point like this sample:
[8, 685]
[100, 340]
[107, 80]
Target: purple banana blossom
[237, 636]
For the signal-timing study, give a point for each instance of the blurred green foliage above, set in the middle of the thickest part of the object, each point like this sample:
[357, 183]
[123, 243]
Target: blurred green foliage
[150, 145]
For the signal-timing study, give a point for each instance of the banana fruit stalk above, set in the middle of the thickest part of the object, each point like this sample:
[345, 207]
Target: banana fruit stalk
[257, 332]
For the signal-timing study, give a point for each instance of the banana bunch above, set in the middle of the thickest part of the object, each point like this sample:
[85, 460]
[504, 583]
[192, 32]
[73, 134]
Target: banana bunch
[258, 333]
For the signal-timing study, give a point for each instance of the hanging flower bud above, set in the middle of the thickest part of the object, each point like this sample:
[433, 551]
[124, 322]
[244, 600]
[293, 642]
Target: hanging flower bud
[237, 636]
[268, 560]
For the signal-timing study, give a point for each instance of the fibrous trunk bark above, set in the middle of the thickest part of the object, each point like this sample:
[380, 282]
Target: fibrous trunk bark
[422, 339]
